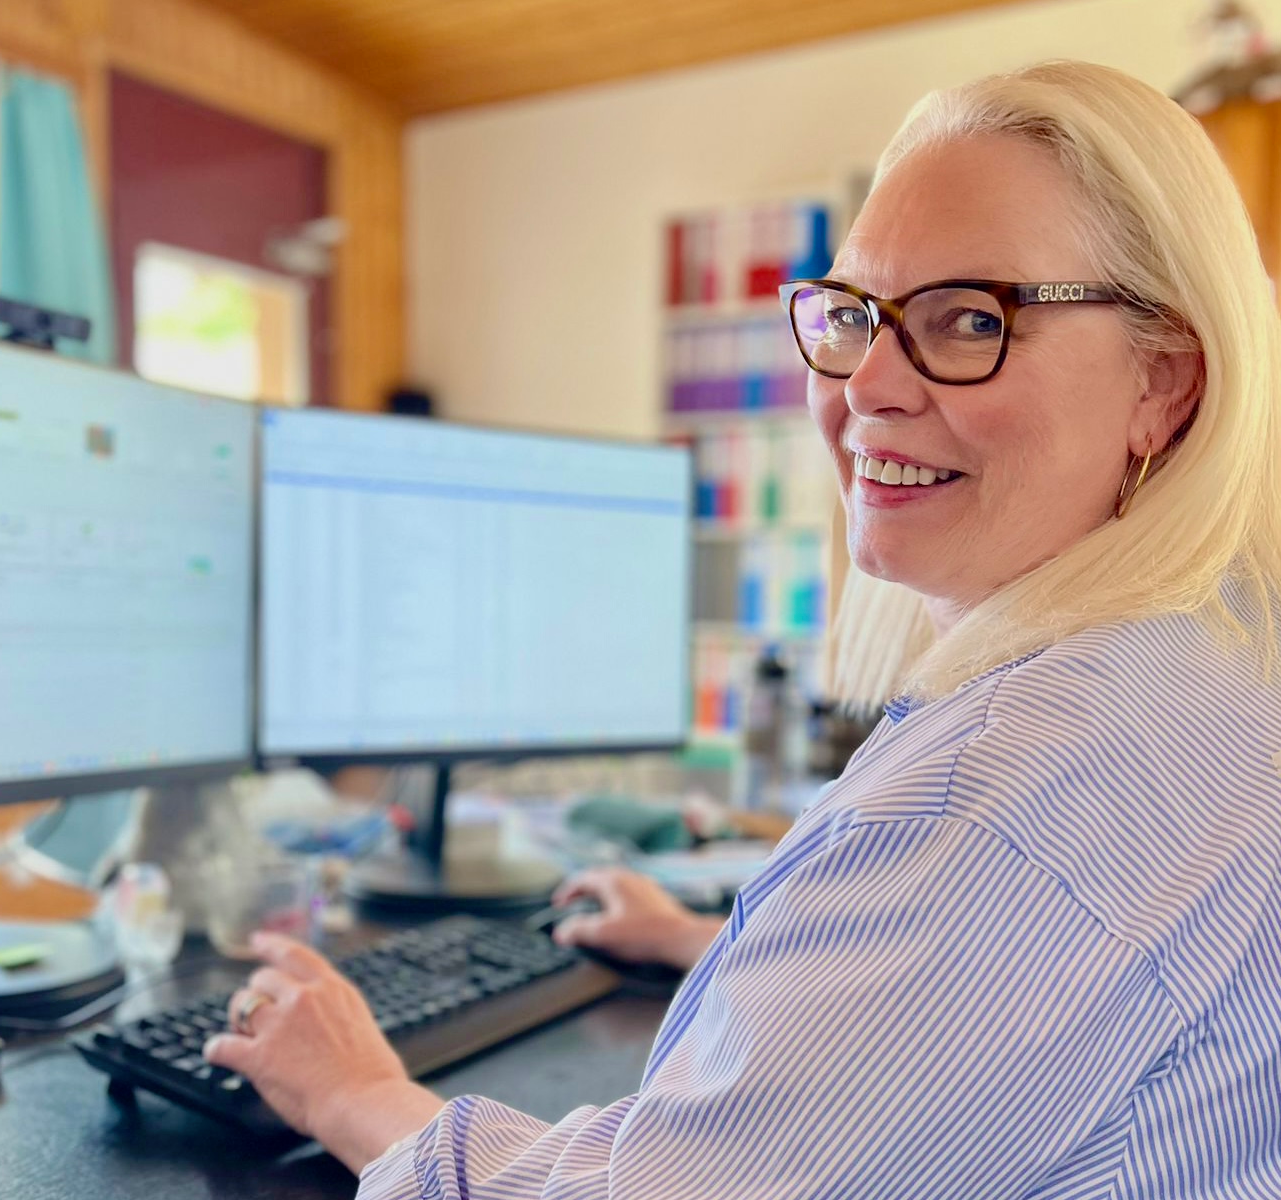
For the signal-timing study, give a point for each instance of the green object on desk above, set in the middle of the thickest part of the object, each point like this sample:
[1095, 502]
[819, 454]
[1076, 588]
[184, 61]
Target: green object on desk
[652, 828]
[26, 955]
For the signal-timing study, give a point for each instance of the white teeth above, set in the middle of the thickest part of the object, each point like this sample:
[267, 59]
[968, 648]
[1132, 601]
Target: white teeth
[899, 474]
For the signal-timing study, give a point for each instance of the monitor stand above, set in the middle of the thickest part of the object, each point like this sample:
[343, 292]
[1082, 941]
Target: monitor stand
[420, 877]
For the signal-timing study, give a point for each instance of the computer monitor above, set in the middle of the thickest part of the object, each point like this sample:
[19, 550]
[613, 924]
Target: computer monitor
[126, 591]
[432, 592]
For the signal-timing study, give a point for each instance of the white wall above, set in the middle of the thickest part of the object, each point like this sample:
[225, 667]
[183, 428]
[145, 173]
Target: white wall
[539, 223]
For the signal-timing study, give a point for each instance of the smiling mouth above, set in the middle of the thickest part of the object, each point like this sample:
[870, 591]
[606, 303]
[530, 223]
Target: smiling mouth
[897, 474]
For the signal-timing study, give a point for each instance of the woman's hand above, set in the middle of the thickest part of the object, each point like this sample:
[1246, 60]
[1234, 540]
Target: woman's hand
[638, 922]
[304, 1036]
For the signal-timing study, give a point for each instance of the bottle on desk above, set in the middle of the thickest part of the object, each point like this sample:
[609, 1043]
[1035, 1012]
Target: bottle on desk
[774, 734]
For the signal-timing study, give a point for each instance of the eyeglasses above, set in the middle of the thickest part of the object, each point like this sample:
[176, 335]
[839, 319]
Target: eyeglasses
[952, 331]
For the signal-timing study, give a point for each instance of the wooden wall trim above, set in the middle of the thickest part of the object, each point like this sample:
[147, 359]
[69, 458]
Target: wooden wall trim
[189, 49]
[178, 45]
[41, 35]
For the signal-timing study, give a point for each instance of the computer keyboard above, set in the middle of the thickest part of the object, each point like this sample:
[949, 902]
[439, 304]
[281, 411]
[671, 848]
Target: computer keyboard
[440, 992]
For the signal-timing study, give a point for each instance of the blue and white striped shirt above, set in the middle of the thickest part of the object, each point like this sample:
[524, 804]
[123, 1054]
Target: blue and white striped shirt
[1028, 945]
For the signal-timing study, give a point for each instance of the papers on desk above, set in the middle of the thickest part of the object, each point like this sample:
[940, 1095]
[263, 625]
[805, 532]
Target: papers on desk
[709, 876]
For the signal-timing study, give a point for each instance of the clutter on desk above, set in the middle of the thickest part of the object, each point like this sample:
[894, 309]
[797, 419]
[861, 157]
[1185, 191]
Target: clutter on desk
[147, 927]
[708, 877]
[650, 828]
[205, 850]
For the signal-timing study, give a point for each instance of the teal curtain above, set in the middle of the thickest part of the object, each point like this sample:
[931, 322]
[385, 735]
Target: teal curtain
[52, 249]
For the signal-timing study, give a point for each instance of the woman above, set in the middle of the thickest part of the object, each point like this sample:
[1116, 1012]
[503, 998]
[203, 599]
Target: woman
[1029, 944]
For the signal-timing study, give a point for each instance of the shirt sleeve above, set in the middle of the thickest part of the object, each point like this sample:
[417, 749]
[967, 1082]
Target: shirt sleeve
[914, 1010]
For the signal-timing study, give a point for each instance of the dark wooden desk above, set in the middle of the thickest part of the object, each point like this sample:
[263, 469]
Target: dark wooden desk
[62, 1136]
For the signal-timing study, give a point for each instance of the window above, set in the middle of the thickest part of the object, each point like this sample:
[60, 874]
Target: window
[219, 326]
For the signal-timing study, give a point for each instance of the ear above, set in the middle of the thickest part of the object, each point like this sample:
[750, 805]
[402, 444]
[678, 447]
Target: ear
[1175, 380]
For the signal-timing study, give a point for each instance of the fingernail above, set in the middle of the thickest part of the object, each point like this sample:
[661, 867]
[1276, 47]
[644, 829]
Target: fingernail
[211, 1047]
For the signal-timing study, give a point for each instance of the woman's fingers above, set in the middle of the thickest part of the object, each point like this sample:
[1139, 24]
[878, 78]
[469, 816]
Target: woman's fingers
[291, 956]
[582, 929]
[584, 883]
[273, 983]
[598, 883]
[231, 1050]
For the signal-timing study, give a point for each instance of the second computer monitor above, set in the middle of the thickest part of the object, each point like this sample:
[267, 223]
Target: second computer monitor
[126, 580]
[438, 591]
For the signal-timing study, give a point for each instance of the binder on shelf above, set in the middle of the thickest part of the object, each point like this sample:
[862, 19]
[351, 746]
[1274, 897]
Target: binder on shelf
[727, 481]
[717, 697]
[763, 484]
[745, 366]
[813, 257]
[787, 375]
[805, 583]
[754, 365]
[738, 256]
[754, 577]
[681, 396]
[704, 483]
[675, 239]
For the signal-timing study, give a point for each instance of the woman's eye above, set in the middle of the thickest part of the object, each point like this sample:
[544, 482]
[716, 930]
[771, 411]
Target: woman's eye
[847, 318]
[971, 322]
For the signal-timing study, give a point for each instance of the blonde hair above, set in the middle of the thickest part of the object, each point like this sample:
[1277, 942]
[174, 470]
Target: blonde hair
[1162, 220]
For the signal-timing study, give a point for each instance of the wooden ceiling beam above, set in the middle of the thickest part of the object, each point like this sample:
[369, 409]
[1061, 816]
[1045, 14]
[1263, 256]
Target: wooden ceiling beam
[429, 56]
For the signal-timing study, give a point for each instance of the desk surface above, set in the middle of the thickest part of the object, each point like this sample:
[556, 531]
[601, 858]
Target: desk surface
[61, 1135]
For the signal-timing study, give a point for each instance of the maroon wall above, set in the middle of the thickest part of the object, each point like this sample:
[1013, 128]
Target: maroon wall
[197, 178]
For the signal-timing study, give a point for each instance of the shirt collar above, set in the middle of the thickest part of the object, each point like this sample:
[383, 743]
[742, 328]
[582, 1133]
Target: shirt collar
[898, 707]
[903, 705]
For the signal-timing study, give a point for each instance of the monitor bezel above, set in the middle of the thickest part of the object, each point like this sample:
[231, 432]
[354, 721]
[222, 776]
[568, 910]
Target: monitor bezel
[64, 787]
[446, 755]
[65, 784]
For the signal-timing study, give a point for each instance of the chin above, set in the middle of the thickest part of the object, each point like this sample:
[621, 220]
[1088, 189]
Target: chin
[880, 562]
[920, 572]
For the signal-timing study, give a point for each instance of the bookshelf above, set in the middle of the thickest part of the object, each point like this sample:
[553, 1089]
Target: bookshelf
[734, 390]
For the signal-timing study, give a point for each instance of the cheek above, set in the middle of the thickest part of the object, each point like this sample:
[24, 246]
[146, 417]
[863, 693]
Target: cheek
[1014, 447]
[1045, 454]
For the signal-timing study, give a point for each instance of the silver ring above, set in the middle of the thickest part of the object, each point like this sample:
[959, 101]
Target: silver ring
[251, 1005]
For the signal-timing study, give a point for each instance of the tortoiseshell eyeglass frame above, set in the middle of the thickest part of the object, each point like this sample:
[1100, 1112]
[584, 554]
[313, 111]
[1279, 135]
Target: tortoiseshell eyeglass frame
[882, 313]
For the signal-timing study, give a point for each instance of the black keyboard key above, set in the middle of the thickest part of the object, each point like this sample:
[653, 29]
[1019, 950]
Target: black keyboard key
[235, 1089]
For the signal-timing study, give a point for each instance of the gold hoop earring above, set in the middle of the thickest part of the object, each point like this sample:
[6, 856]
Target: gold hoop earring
[1123, 501]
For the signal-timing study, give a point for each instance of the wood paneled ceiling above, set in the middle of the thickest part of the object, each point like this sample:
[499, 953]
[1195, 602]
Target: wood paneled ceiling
[428, 56]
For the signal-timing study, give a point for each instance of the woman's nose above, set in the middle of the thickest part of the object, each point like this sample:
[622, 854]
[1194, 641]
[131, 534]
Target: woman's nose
[885, 379]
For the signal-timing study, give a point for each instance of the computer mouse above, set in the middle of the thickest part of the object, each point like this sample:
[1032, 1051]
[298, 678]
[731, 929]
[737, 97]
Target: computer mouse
[548, 918]
[647, 976]
[650, 977]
